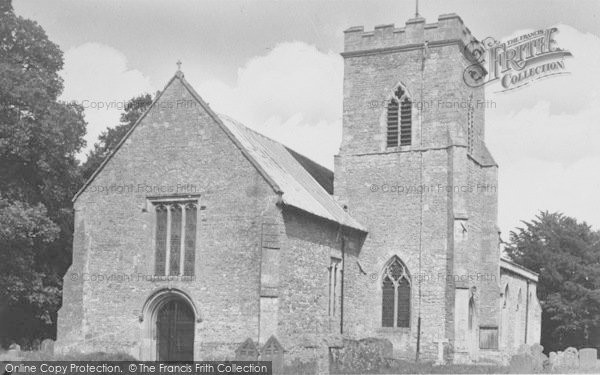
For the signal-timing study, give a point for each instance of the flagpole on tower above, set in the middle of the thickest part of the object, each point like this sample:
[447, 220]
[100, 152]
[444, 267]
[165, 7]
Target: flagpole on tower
[417, 9]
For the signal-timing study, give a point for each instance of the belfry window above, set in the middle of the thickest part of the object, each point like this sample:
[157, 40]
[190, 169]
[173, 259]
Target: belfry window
[395, 288]
[175, 244]
[399, 119]
[470, 127]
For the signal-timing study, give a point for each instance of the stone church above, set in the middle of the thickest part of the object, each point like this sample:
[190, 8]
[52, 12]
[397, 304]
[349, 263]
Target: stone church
[198, 234]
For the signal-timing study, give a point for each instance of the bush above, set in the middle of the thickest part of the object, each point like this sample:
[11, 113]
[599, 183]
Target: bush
[362, 356]
[76, 356]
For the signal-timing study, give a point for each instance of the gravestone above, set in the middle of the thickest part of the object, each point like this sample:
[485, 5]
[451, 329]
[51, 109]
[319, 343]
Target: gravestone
[560, 358]
[523, 348]
[14, 352]
[47, 346]
[553, 359]
[440, 345]
[247, 351]
[521, 364]
[588, 357]
[570, 358]
[273, 351]
[36, 345]
[539, 359]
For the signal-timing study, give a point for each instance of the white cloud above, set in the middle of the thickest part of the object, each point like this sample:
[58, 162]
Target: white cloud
[97, 76]
[546, 139]
[293, 94]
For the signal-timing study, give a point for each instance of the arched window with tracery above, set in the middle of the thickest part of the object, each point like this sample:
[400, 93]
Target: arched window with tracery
[175, 239]
[395, 304]
[399, 119]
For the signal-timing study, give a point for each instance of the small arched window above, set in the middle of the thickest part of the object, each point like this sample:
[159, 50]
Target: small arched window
[505, 299]
[395, 304]
[399, 119]
[519, 300]
[471, 313]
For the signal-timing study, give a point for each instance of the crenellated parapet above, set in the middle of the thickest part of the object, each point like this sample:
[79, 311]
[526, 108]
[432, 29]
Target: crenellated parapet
[449, 29]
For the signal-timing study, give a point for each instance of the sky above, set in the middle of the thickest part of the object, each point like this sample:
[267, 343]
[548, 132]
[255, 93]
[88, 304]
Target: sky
[276, 67]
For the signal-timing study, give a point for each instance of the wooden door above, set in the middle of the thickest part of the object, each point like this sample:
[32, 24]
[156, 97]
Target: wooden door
[175, 329]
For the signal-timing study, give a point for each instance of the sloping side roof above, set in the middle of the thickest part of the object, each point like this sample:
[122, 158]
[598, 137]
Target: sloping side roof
[513, 267]
[323, 175]
[284, 173]
[299, 188]
[487, 160]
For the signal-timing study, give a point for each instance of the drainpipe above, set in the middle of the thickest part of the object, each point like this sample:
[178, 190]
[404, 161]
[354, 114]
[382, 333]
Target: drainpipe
[526, 311]
[342, 285]
[423, 56]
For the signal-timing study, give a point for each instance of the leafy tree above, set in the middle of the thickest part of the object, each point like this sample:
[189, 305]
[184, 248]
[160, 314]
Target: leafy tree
[39, 138]
[566, 254]
[109, 139]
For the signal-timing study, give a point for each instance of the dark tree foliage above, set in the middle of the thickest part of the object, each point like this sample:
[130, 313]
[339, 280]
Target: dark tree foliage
[39, 138]
[566, 254]
[109, 139]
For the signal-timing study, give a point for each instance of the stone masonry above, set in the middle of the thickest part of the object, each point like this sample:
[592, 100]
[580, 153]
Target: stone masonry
[277, 257]
[432, 203]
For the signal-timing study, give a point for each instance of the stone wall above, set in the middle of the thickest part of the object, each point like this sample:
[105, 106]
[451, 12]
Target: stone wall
[261, 270]
[520, 310]
[176, 147]
[448, 239]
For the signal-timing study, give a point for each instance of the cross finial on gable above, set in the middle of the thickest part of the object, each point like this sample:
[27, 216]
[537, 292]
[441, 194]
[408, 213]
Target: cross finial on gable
[179, 73]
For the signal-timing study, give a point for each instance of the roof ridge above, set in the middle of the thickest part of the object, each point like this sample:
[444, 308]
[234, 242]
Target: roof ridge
[299, 187]
[288, 184]
[271, 139]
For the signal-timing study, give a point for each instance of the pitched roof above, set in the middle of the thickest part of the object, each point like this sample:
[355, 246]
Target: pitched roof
[299, 188]
[513, 267]
[323, 175]
[487, 160]
[281, 167]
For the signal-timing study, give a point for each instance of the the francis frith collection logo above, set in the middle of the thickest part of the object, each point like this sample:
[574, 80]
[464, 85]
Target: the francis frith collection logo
[516, 62]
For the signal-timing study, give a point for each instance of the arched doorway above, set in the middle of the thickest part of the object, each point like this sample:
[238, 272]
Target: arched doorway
[168, 324]
[175, 331]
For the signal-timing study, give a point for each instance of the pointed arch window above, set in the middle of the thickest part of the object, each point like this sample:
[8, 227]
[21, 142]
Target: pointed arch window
[471, 313]
[399, 119]
[395, 304]
[175, 241]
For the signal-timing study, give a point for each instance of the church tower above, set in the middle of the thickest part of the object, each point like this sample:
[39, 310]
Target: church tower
[413, 167]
